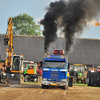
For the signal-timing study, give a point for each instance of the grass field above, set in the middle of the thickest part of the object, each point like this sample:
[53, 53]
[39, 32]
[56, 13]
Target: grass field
[80, 84]
[75, 84]
[83, 85]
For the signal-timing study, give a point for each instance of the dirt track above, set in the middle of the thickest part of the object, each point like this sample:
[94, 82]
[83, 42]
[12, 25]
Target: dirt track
[73, 93]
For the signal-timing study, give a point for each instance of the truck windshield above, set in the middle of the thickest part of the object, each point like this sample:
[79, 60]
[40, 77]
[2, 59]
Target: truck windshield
[16, 63]
[79, 68]
[28, 66]
[55, 64]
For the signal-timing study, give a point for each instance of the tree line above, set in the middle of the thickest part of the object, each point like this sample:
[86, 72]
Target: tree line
[24, 24]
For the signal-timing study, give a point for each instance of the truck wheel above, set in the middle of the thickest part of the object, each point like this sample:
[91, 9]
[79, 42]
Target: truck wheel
[65, 87]
[43, 86]
[98, 79]
[27, 78]
[70, 84]
[93, 78]
[89, 78]
[47, 87]
[21, 79]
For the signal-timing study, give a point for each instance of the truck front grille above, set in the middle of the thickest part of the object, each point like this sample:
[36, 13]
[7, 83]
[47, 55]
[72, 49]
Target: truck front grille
[54, 75]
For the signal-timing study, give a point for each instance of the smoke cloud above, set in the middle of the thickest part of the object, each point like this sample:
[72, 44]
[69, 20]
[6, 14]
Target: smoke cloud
[67, 14]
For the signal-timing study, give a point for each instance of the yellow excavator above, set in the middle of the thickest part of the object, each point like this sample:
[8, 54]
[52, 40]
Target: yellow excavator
[13, 66]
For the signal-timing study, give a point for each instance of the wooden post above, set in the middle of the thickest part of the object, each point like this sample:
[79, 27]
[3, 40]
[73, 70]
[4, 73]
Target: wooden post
[39, 80]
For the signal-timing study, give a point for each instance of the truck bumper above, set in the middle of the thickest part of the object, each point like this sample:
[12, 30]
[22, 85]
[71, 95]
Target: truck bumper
[54, 83]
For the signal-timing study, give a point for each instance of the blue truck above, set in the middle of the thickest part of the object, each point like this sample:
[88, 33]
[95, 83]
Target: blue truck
[55, 70]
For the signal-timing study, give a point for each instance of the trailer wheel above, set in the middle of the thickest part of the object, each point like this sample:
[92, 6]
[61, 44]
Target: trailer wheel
[21, 79]
[27, 78]
[89, 78]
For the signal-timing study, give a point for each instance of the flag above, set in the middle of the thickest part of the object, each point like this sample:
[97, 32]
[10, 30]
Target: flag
[92, 22]
[38, 19]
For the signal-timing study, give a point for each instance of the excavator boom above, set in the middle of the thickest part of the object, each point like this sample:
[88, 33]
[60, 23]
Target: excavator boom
[8, 42]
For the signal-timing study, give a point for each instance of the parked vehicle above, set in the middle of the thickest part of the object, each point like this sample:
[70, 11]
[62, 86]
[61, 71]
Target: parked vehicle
[93, 77]
[79, 72]
[55, 70]
[30, 72]
[13, 66]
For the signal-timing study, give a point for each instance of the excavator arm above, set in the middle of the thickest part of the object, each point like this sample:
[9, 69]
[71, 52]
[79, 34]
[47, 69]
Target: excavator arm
[8, 42]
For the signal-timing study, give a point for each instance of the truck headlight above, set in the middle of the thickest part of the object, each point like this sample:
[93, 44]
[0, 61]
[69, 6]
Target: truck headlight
[4, 74]
[44, 79]
[12, 75]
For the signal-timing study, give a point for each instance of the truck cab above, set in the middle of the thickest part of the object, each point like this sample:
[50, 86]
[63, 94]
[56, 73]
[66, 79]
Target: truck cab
[17, 63]
[29, 71]
[55, 70]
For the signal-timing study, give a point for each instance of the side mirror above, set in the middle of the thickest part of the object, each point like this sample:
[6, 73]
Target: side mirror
[86, 69]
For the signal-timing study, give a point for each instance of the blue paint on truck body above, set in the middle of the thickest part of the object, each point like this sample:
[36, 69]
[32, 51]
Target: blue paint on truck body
[55, 71]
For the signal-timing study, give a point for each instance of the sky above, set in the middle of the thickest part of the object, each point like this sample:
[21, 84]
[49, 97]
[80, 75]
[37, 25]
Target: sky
[35, 8]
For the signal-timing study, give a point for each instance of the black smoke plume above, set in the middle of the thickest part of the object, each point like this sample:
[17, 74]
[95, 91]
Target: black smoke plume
[67, 14]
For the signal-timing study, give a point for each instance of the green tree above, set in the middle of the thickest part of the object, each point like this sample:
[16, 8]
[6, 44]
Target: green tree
[24, 25]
